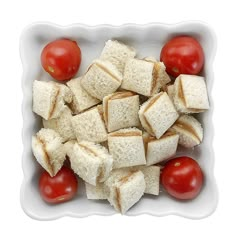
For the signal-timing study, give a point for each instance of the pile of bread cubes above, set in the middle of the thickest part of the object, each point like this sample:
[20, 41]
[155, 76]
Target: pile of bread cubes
[117, 122]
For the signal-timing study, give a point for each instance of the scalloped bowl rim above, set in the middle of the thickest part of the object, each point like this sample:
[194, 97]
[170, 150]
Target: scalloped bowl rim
[25, 108]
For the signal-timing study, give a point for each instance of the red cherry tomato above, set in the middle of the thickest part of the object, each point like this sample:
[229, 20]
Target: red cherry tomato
[182, 178]
[60, 188]
[182, 55]
[61, 59]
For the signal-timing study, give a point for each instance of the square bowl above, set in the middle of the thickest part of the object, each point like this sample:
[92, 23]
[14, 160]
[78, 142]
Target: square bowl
[148, 40]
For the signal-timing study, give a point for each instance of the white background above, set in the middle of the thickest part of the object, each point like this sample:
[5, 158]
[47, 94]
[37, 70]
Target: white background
[15, 15]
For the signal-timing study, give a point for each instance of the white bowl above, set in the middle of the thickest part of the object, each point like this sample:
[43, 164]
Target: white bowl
[148, 40]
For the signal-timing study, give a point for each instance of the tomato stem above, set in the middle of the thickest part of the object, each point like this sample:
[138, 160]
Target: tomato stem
[175, 69]
[177, 164]
[50, 69]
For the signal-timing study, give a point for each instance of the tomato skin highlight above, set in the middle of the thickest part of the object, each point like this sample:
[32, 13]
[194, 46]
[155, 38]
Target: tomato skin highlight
[182, 55]
[61, 59]
[182, 178]
[60, 188]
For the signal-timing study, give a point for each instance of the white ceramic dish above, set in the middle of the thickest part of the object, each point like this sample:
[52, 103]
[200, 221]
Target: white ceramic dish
[148, 40]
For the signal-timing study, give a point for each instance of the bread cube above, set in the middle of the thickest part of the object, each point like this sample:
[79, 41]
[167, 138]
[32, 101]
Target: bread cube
[144, 77]
[90, 161]
[95, 192]
[190, 94]
[158, 114]
[151, 177]
[48, 150]
[120, 110]
[117, 53]
[189, 130]
[81, 99]
[158, 150]
[125, 188]
[49, 98]
[90, 125]
[101, 79]
[126, 147]
[62, 125]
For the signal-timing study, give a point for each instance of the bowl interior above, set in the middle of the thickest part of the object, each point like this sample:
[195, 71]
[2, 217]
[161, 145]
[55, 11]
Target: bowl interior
[148, 40]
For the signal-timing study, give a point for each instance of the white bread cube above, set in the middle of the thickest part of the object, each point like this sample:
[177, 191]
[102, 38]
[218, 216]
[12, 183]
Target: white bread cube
[144, 77]
[126, 147]
[120, 110]
[171, 92]
[159, 72]
[81, 99]
[151, 177]
[158, 150]
[189, 130]
[49, 98]
[62, 125]
[84, 164]
[125, 188]
[190, 94]
[90, 125]
[117, 53]
[48, 150]
[101, 79]
[95, 192]
[90, 161]
[158, 114]
[138, 76]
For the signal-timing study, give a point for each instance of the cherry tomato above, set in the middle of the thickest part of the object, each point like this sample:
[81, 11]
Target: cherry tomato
[182, 55]
[61, 59]
[60, 188]
[182, 178]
